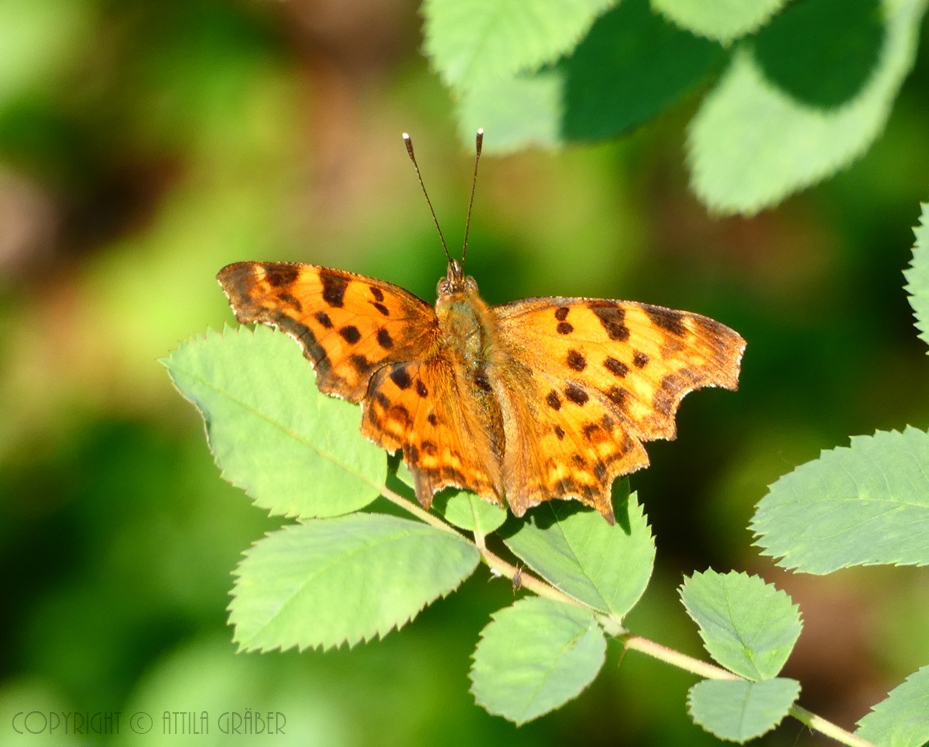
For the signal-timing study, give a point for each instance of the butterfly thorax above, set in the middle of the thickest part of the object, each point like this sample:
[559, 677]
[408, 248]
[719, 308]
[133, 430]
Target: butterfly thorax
[467, 332]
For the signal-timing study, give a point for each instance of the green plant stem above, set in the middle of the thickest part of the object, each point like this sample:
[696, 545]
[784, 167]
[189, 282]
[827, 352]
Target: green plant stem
[676, 658]
[629, 640]
[827, 727]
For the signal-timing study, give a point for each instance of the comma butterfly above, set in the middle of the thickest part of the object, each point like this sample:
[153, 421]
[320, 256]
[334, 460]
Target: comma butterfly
[522, 403]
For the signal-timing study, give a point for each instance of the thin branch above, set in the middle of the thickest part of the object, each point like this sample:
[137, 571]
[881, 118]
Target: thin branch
[676, 658]
[827, 727]
[629, 640]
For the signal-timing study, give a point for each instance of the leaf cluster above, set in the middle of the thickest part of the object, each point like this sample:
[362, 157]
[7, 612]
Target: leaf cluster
[789, 93]
[350, 569]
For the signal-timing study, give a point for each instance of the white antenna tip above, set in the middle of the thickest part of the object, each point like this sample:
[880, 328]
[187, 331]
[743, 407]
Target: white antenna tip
[406, 136]
[480, 130]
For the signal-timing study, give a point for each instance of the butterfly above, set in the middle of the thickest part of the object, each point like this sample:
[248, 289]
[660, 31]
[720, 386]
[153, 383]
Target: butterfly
[530, 401]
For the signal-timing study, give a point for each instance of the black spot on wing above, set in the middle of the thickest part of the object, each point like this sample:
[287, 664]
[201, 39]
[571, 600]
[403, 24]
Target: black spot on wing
[421, 389]
[639, 359]
[323, 318]
[666, 319]
[333, 288]
[376, 292]
[384, 339]
[576, 360]
[350, 334]
[381, 308]
[615, 367]
[612, 319]
[280, 275]
[564, 328]
[401, 377]
[576, 395]
[361, 364]
[561, 313]
[291, 301]
[553, 400]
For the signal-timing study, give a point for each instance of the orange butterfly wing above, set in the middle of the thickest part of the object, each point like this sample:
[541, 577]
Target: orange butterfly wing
[594, 379]
[374, 341]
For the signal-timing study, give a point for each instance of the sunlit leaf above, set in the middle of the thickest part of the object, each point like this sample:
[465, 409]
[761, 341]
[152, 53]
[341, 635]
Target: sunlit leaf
[294, 450]
[902, 720]
[859, 505]
[751, 144]
[343, 580]
[534, 656]
[576, 550]
[917, 276]
[630, 67]
[738, 710]
[470, 41]
[748, 626]
[516, 112]
[461, 508]
[724, 20]
[468, 511]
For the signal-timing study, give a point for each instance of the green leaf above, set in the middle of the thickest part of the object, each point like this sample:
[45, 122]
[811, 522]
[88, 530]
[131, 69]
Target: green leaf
[470, 41]
[822, 52]
[917, 276]
[750, 145]
[516, 112]
[461, 508]
[632, 65]
[343, 580]
[860, 505]
[469, 511]
[294, 450]
[723, 20]
[534, 656]
[902, 720]
[576, 550]
[748, 626]
[738, 710]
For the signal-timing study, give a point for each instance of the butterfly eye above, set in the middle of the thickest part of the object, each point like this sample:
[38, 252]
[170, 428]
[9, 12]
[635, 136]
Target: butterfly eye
[471, 284]
[442, 287]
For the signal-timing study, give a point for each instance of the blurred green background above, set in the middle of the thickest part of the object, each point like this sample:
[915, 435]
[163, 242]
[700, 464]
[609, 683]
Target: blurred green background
[144, 145]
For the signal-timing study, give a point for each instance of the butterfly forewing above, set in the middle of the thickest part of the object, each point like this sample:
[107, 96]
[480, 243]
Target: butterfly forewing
[604, 376]
[373, 341]
[348, 325]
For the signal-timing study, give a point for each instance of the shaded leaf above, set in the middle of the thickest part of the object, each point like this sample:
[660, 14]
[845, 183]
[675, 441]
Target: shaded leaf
[860, 505]
[822, 52]
[750, 145]
[573, 548]
[343, 580]
[294, 450]
[472, 41]
[917, 276]
[738, 710]
[748, 626]
[723, 20]
[631, 66]
[902, 720]
[534, 656]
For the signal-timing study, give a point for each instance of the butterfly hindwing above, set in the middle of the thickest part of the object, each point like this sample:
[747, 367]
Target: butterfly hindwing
[418, 408]
[348, 325]
[604, 376]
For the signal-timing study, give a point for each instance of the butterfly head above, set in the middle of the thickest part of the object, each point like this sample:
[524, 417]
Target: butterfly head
[455, 281]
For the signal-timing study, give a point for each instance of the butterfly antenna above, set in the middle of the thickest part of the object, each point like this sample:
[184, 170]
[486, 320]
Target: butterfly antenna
[478, 142]
[409, 149]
